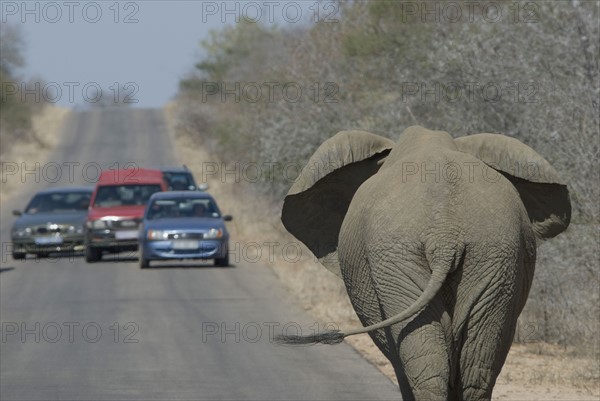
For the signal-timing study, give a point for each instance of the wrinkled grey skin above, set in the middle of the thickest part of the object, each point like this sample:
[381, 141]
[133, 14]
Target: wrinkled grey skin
[435, 239]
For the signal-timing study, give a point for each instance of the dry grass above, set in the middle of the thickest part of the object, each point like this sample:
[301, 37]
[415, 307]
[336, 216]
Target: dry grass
[47, 130]
[547, 372]
[527, 375]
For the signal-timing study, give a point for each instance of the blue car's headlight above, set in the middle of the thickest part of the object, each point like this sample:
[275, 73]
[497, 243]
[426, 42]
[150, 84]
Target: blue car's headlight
[157, 235]
[214, 233]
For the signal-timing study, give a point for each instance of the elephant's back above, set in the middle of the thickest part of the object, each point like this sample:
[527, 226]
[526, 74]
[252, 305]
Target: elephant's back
[437, 188]
[453, 200]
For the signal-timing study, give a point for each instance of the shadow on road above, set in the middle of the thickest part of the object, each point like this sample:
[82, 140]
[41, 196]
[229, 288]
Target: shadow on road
[6, 269]
[118, 258]
[189, 265]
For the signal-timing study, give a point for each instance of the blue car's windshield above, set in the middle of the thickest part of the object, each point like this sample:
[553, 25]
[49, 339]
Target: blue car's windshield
[182, 208]
[59, 202]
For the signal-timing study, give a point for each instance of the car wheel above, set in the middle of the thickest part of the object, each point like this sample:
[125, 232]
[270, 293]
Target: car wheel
[92, 254]
[222, 262]
[18, 255]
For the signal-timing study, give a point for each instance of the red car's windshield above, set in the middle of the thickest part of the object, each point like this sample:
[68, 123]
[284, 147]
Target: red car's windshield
[124, 195]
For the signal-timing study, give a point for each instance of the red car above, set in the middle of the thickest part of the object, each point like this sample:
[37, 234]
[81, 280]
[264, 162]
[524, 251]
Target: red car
[116, 209]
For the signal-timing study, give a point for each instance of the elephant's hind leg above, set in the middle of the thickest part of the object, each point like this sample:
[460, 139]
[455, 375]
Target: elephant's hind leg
[487, 335]
[482, 357]
[423, 349]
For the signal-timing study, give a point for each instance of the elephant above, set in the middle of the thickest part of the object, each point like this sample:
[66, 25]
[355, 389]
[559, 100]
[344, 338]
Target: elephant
[435, 240]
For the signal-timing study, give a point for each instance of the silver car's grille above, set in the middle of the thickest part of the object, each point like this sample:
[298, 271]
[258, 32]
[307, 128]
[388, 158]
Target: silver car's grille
[185, 236]
[50, 228]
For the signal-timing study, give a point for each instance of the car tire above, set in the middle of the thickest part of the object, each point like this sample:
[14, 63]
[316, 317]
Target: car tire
[18, 255]
[92, 254]
[222, 262]
[144, 263]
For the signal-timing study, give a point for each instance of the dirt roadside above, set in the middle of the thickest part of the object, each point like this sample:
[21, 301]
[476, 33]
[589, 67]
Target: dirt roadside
[532, 372]
[48, 129]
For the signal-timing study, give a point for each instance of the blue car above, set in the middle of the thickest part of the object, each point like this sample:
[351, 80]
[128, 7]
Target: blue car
[183, 225]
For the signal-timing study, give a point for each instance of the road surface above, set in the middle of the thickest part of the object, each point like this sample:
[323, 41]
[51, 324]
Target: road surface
[110, 331]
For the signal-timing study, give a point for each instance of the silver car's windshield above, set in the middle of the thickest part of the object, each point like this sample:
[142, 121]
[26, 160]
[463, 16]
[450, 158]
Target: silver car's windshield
[59, 202]
[182, 208]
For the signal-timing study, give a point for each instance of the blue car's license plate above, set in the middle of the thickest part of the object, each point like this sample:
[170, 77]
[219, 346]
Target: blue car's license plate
[185, 245]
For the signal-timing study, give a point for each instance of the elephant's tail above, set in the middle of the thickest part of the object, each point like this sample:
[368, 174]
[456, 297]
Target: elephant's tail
[438, 276]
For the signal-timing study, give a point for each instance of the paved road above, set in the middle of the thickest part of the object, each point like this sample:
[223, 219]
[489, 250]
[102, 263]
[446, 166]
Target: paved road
[110, 331]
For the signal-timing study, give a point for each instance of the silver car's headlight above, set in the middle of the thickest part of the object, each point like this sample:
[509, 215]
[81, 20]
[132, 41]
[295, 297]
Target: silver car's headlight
[214, 233]
[22, 232]
[157, 235]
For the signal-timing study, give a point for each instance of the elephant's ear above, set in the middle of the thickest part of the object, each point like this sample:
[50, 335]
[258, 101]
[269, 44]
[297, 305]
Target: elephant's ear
[315, 206]
[543, 193]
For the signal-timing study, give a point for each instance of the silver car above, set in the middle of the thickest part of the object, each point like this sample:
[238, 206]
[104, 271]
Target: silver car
[53, 221]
